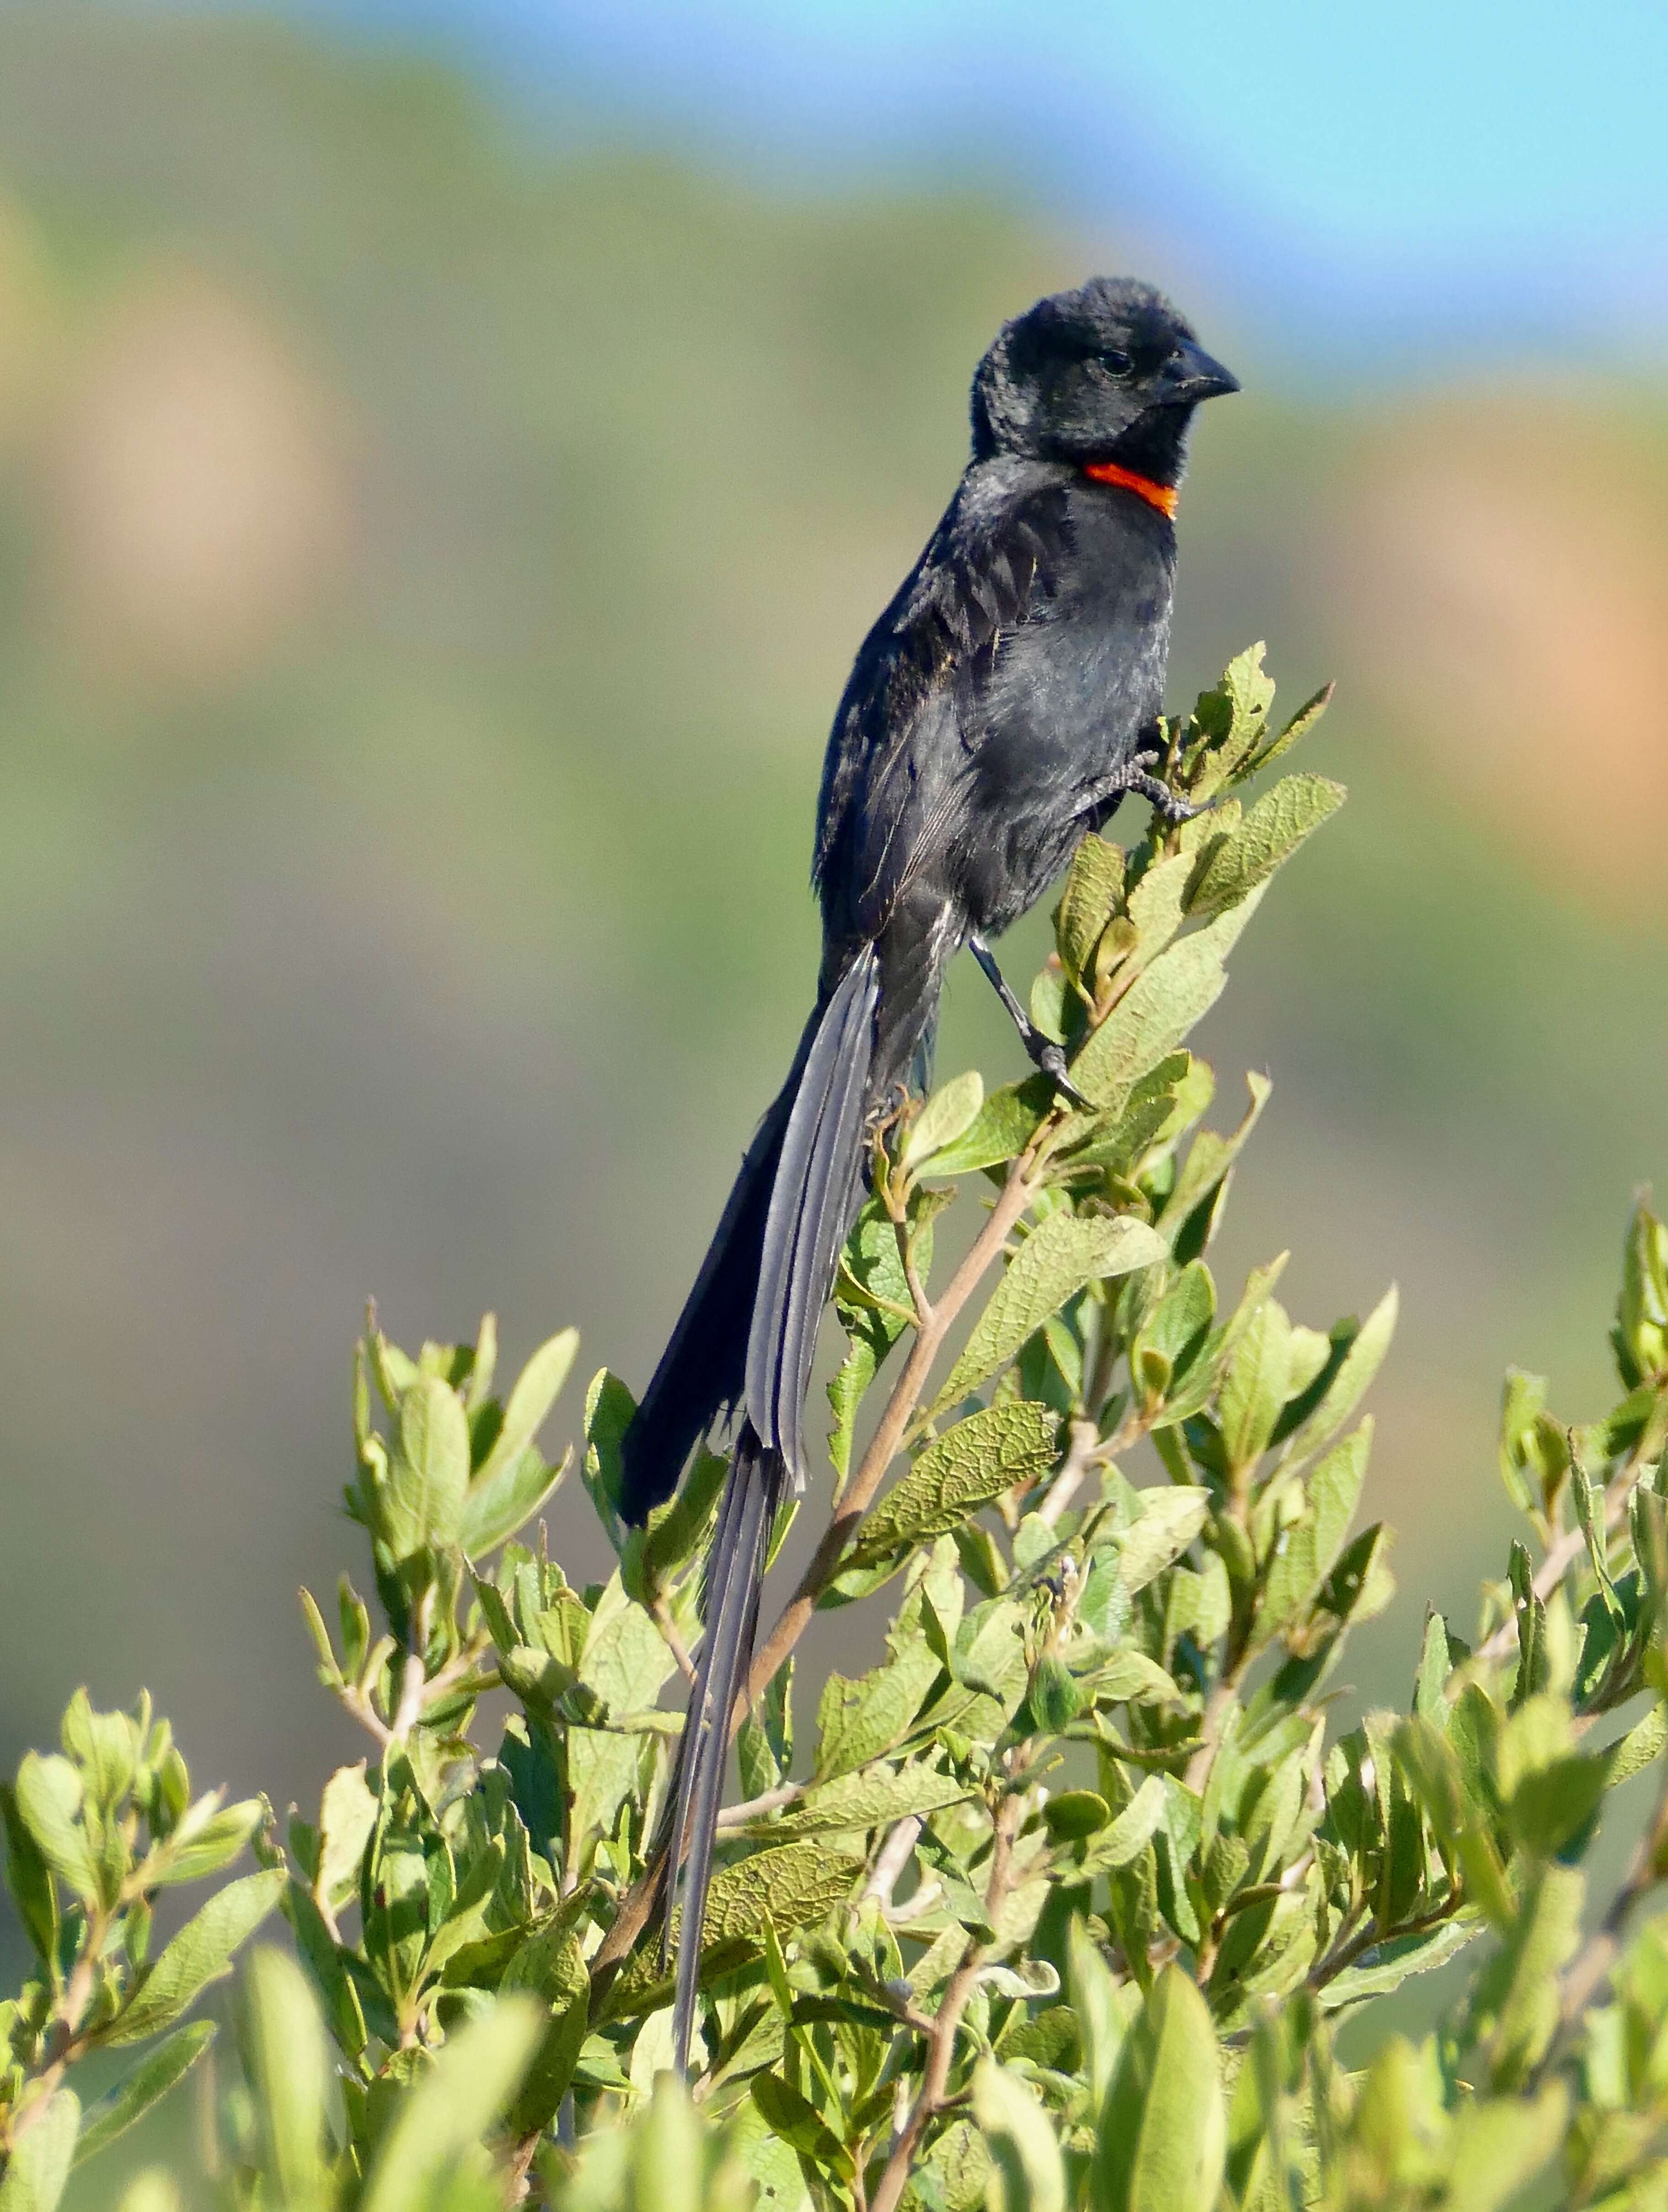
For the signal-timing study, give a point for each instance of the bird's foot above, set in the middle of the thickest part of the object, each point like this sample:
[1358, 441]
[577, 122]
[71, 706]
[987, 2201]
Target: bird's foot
[1042, 1050]
[1170, 804]
[1051, 1060]
[1137, 776]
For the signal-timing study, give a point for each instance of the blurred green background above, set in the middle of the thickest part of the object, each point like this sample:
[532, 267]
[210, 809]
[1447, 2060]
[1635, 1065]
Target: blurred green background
[434, 526]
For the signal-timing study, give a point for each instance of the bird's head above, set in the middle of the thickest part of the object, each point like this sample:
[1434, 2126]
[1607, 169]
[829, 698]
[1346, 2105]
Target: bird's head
[1109, 373]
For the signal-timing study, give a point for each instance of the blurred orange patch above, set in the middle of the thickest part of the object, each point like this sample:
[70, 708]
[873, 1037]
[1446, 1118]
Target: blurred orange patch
[196, 495]
[1504, 581]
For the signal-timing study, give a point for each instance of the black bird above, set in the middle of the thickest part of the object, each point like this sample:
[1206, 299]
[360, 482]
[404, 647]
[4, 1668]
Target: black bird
[1001, 706]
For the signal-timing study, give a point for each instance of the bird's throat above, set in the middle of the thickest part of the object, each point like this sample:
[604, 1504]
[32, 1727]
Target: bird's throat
[1159, 495]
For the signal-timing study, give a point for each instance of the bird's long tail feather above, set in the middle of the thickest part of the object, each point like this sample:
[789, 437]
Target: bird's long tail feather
[760, 1292]
[757, 1483]
[816, 1186]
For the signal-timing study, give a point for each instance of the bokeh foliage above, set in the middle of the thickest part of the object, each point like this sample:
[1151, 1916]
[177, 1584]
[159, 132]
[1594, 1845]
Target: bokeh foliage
[1063, 1901]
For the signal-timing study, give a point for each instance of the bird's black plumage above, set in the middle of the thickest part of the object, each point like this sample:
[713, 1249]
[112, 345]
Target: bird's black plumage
[996, 710]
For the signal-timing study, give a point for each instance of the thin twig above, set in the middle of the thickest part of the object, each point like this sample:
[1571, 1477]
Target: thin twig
[918, 1298]
[63, 2042]
[661, 1613]
[941, 2048]
[756, 1808]
[895, 1854]
[1079, 1462]
[353, 1700]
[413, 1682]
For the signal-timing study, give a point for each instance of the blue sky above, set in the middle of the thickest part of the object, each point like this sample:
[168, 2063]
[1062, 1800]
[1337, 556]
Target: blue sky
[1426, 176]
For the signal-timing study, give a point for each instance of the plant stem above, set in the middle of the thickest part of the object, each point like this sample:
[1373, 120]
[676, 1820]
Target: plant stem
[894, 1857]
[1558, 1561]
[1017, 1194]
[940, 2047]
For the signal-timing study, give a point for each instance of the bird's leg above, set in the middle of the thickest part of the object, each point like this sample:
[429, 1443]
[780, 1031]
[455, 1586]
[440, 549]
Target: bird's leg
[1137, 776]
[1044, 1051]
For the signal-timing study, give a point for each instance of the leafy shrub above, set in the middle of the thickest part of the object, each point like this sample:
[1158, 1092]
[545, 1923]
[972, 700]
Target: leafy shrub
[1063, 1901]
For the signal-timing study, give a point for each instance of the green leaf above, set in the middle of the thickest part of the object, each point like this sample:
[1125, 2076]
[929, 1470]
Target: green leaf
[670, 2152]
[1180, 987]
[537, 1388]
[1499, 2145]
[1161, 2142]
[1250, 690]
[676, 1535]
[1170, 1520]
[1133, 1830]
[870, 1799]
[1062, 1255]
[285, 2059]
[147, 2085]
[793, 2119]
[551, 1966]
[1551, 1805]
[768, 2160]
[208, 1839]
[429, 1476]
[1174, 1333]
[327, 1965]
[1270, 832]
[980, 1459]
[1594, 1535]
[1644, 1742]
[498, 1504]
[1308, 1551]
[625, 1660]
[792, 1887]
[1349, 1385]
[764, 1742]
[48, 1796]
[1000, 1130]
[1029, 2175]
[103, 1745]
[1387, 1965]
[1254, 1385]
[198, 1954]
[1515, 1998]
[40, 2160]
[847, 1388]
[857, 1721]
[1210, 1158]
[1299, 726]
[1098, 2004]
[609, 1406]
[152, 2190]
[949, 1114]
[448, 2110]
[1093, 894]
[347, 1814]
[29, 1878]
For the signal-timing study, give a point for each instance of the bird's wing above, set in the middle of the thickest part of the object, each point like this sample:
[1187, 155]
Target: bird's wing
[993, 565]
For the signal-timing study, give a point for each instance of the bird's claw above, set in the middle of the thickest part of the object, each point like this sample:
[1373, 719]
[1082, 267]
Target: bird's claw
[1051, 1060]
[1156, 793]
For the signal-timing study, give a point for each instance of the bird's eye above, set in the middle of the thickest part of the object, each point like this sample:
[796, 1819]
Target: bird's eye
[1117, 361]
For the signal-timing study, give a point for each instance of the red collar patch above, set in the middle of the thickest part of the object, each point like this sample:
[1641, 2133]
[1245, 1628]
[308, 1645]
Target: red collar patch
[1161, 496]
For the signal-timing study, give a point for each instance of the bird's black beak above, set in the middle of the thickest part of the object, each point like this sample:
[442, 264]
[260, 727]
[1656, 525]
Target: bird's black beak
[1190, 376]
